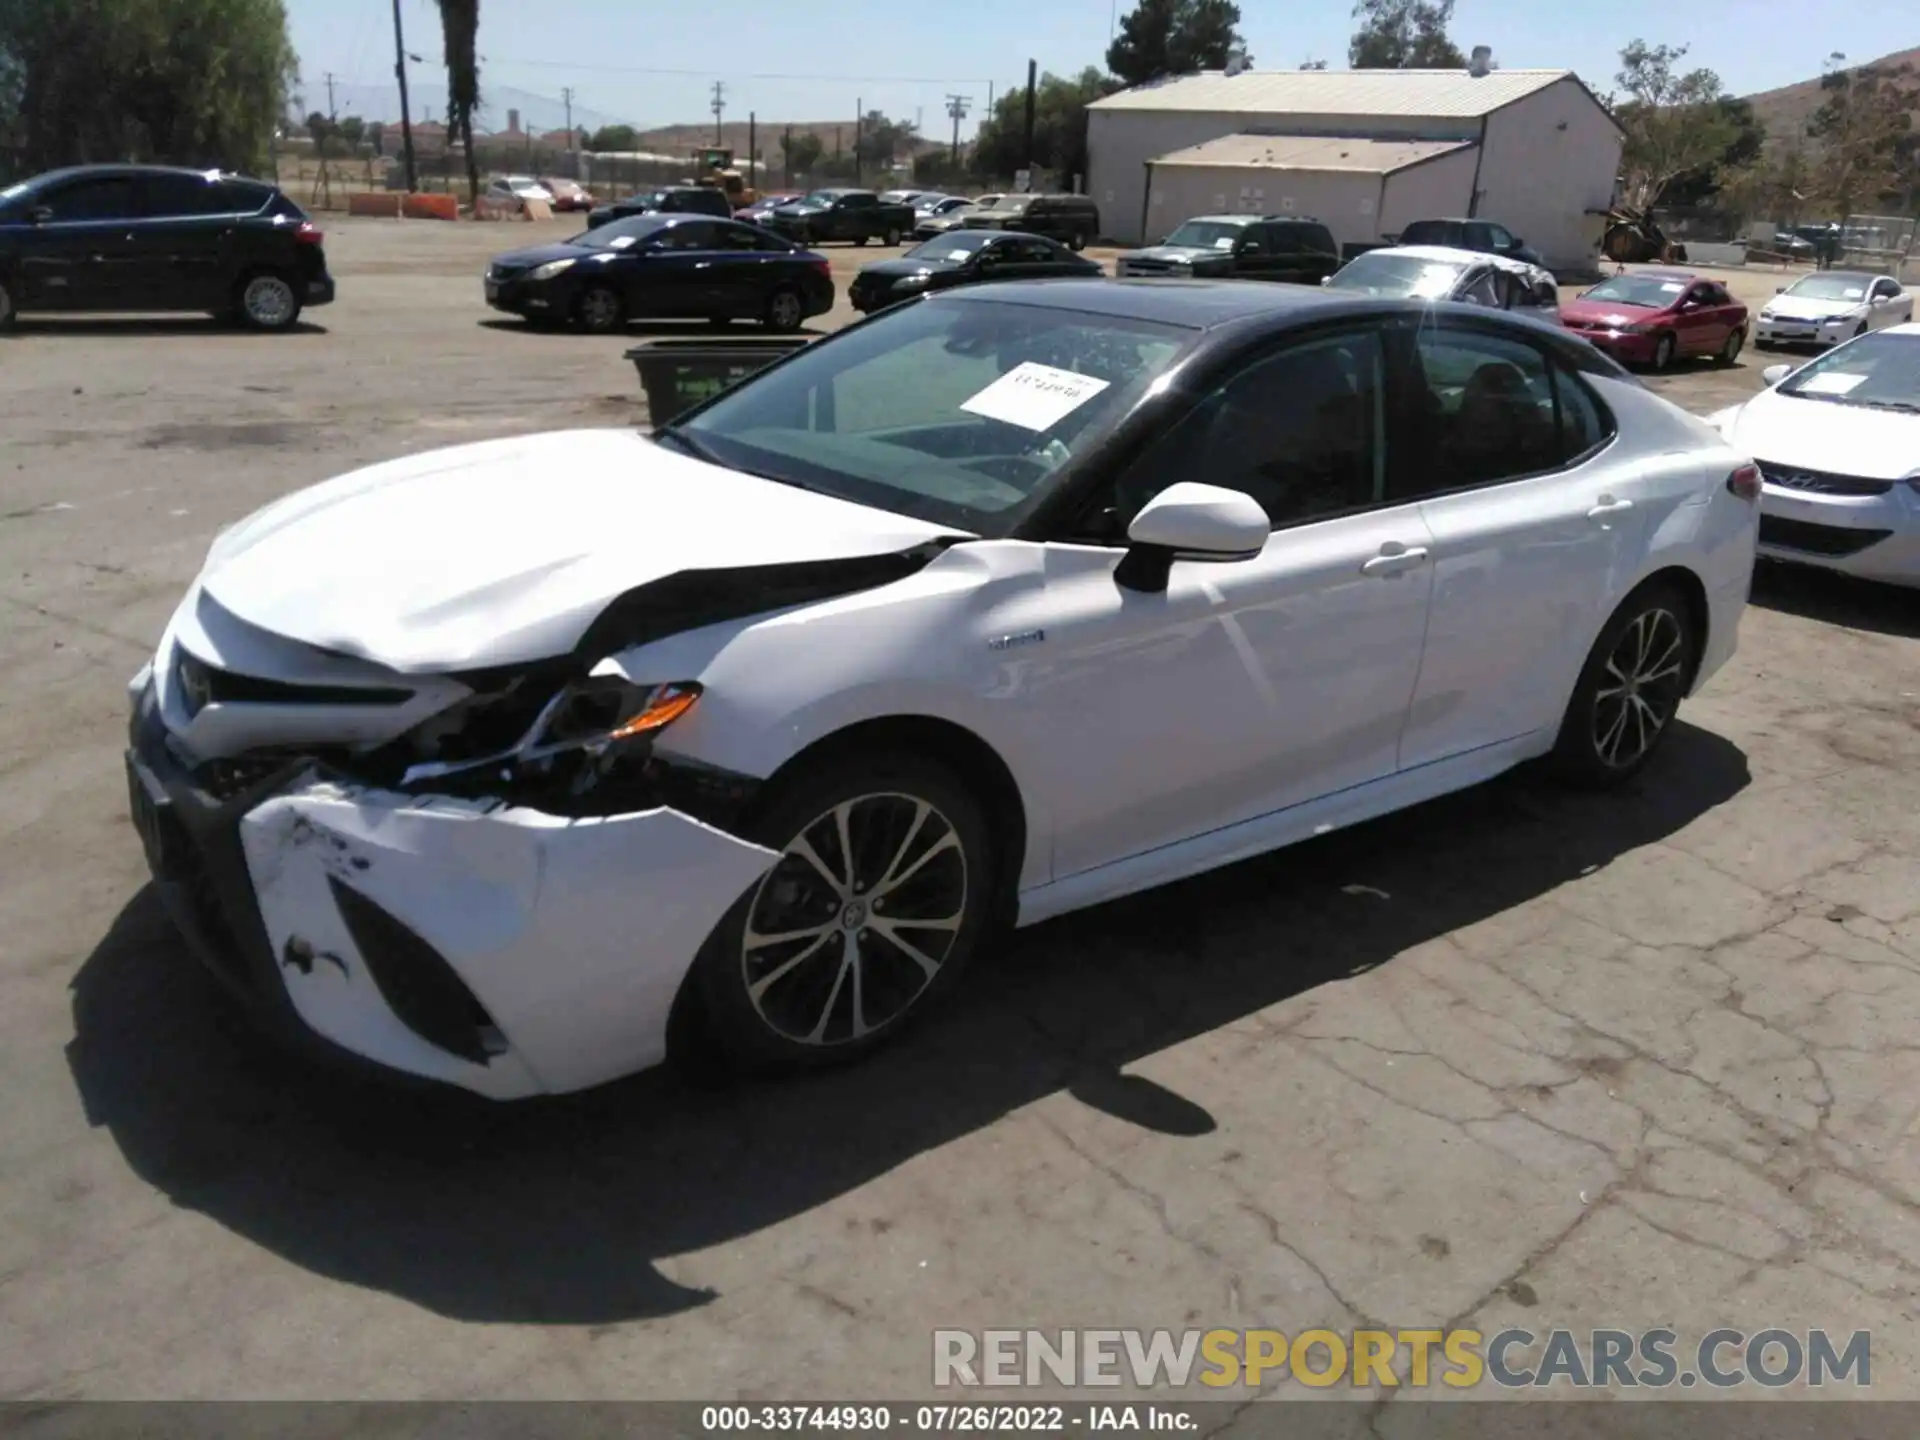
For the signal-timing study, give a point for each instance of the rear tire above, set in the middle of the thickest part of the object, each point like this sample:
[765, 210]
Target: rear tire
[8, 315]
[847, 979]
[600, 310]
[266, 300]
[860, 242]
[1629, 690]
[1077, 243]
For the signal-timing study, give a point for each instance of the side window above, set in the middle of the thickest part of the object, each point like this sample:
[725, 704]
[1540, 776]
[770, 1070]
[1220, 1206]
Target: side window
[689, 235]
[1500, 236]
[1584, 426]
[105, 199]
[1317, 239]
[1479, 235]
[1885, 289]
[1482, 289]
[1487, 414]
[173, 196]
[1030, 252]
[736, 237]
[241, 197]
[1282, 239]
[862, 202]
[1298, 431]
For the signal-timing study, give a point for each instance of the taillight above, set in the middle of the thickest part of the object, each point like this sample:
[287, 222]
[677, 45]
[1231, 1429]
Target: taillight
[309, 233]
[822, 268]
[1745, 482]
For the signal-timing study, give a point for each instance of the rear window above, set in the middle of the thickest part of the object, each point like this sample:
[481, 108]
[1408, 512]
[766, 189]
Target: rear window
[1426, 232]
[250, 197]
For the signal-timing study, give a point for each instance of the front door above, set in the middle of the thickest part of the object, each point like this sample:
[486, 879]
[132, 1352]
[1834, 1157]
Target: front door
[1535, 533]
[78, 256]
[1250, 686]
[1698, 323]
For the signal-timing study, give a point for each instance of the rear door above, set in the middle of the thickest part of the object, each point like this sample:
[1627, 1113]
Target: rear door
[1535, 532]
[179, 243]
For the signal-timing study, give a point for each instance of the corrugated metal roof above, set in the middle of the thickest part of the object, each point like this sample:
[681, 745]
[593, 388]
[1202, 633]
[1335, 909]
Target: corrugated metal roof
[1449, 94]
[1312, 152]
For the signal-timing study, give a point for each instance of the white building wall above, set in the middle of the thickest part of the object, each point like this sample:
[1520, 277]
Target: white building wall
[1121, 142]
[1344, 199]
[1434, 190]
[1549, 158]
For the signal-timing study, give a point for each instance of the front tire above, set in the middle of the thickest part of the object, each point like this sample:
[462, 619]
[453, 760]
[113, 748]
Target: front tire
[1077, 243]
[1663, 351]
[1630, 689]
[883, 889]
[860, 242]
[891, 238]
[1730, 352]
[267, 300]
[600, 310]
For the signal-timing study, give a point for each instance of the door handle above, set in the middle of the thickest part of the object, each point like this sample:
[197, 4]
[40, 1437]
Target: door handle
[1393, 564]
[1609, 507]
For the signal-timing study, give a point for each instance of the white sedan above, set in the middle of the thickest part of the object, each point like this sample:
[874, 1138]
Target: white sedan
[483, 764]
[1838, 444]
[514, 191]
[1831, 306]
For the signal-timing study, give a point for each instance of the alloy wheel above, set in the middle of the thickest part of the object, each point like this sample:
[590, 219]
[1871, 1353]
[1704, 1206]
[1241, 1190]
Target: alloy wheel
[1663, 352]
[853, 923]
[1730, 352]
[1640, 688]
[269, 302]
[783, 311]
[600, 309]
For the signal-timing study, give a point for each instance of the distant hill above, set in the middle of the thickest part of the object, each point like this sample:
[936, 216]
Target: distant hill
[685, 139]
[1785, 111]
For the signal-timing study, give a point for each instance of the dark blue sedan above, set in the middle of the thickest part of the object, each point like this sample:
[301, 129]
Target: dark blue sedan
[663, 267]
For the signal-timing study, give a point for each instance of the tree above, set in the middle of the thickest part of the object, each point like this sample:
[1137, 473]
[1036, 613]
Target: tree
[460, 31]
[1698, 187]
[1862, 129]
[1675, 124]
[1313, 64]
[617, 139]
[191, 82]
[1403, 35]
[352, 129]
[1773, 186]
[1159, 38]
[800, 153]
[1059, 126]
[881, 140]
[321, 129]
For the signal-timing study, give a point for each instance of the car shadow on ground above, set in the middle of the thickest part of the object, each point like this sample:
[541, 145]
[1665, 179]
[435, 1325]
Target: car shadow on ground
[646, 329]
[555, 1211]
[150, 327]
[1835, 599]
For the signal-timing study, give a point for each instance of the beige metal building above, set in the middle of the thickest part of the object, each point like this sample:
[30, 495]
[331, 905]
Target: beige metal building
[1366, 151]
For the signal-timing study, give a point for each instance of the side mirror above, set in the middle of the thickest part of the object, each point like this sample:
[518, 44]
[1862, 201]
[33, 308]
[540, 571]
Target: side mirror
[1779, 289]
[1190, 521]
[1774, 374]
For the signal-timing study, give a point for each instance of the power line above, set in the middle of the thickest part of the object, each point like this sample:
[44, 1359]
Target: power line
[751, 75]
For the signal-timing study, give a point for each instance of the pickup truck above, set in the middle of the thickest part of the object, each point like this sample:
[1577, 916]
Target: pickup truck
[1292, 249]
[856, 215]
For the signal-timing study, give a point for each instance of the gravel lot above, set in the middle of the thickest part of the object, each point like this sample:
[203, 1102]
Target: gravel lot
[1514, 1057]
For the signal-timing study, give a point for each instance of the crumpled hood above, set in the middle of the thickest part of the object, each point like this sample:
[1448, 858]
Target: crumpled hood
[1823, 435]
[505, 551]
[1797, 307]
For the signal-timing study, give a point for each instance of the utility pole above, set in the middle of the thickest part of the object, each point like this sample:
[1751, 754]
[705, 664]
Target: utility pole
[718, 106]
[566, 94]
[400, 74]
[753, 153]
[332, 112]
[786, 159]
[859, 123]
[1033, 75]
[957, 111]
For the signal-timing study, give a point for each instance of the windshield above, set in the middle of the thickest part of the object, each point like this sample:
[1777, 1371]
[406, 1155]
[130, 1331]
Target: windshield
[819, 199]
[1401, 275]
[619, 234]
[1851, 288]
[1206, 235]
[955, 245]
[955, 412]
[1643, 292]
[1011, 204]
[1878, 371]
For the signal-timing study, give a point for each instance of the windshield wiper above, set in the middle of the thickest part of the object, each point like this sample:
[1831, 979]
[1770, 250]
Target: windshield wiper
[1890, 405]
[700, 450]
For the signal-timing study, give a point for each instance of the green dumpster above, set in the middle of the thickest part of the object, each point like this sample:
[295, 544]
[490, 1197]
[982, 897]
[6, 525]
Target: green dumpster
[680, 371]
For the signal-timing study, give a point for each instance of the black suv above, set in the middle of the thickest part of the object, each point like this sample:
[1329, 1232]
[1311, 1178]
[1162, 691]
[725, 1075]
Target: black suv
[1073, 220]
[1295, 249]
[1481, 235]
[672, 200]
[143, 237]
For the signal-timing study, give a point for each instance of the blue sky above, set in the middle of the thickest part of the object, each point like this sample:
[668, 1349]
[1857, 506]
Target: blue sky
[653, 61]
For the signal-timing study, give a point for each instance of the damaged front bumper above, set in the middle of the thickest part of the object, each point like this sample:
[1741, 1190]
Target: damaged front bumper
[500, 949]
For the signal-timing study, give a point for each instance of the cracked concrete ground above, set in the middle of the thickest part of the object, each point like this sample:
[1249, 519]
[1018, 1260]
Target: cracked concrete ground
[1516, 1058]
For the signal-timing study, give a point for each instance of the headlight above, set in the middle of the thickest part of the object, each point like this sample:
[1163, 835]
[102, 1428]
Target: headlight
[549, 270]
[590, 721]
[1767, 315]
[912, 282]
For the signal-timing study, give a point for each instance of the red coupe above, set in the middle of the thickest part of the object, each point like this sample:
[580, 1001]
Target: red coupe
[1654, 317]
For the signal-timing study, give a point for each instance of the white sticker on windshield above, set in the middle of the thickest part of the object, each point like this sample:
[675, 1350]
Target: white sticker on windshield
[1672, 287]
[620, 242]
[1034, 397]
[1853, 292]
[1829, 384]
[1225, 242]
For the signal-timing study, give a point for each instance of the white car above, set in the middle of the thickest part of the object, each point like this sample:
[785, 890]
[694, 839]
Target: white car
[1838, 445]
[1830, 306]
[1438, 272]
[517, 190]
[481, 764]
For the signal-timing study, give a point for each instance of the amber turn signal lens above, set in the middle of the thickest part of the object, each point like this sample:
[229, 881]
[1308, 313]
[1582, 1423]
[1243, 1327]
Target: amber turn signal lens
[664, 706]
